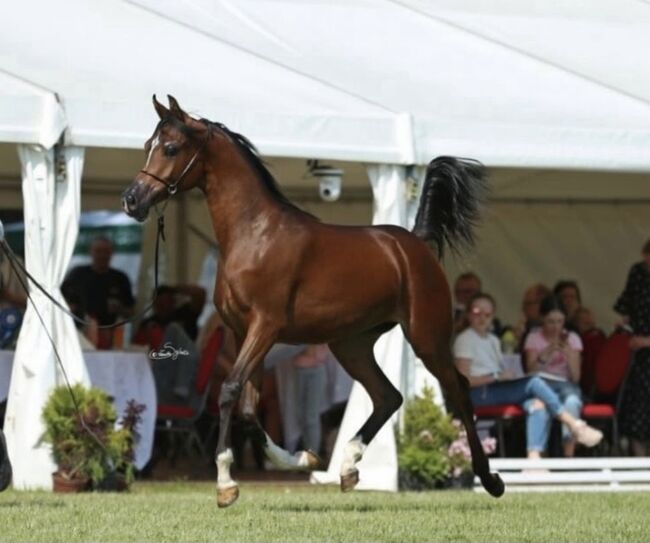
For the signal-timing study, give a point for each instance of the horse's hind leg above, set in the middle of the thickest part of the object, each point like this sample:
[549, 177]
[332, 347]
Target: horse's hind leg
[279, 457]
[434, 349]
[356, 356]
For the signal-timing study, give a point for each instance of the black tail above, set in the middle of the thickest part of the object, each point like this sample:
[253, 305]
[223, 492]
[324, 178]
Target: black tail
[454, 190]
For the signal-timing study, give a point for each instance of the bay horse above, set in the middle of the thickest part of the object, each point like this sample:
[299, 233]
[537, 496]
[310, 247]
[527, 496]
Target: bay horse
[286, 277]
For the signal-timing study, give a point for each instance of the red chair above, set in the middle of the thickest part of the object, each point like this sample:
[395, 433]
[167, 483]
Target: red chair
[501, 415]
[611, 369]
[181, 419]
[593, 342]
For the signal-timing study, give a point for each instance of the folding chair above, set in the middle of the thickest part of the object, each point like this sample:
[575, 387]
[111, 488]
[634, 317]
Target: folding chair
[181, 419]
[501, 415]
[611, 368]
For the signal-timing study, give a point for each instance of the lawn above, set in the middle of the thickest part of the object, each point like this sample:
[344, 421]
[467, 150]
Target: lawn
[188, 512]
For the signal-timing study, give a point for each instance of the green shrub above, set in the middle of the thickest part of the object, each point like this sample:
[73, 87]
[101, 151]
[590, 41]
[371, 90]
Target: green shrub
[423, 446]
[85, 443]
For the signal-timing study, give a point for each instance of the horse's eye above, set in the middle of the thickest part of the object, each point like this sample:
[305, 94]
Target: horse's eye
[171, 150]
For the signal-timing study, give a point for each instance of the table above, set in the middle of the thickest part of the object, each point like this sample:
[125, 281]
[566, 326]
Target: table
[124, 376]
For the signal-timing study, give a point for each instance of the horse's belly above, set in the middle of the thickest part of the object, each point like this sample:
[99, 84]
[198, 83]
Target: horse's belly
[320, 321]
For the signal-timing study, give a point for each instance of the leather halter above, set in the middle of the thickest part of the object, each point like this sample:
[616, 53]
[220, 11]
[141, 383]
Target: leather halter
[172, 187]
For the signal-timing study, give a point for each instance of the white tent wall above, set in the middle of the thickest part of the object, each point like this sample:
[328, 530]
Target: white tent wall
[51, 224]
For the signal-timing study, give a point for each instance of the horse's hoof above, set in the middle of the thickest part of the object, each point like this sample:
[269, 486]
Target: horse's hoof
[227, 496]
[311, 460]
[493, 484]
[349, 480]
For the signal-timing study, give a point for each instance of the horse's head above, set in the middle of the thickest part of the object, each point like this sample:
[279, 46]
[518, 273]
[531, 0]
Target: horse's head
[173, 155]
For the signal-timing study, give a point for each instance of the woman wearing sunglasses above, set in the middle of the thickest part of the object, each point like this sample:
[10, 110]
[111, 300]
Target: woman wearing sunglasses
[478, 357]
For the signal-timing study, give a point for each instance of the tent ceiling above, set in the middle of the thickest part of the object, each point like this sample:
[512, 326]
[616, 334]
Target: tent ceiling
[536, 84]
[106, 59]
[469, 93]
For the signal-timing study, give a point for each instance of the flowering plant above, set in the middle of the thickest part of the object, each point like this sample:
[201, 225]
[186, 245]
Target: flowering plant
[459, 452]
[432, 447]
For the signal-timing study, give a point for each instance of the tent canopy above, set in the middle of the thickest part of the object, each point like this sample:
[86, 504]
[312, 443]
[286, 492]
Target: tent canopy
[399, 81]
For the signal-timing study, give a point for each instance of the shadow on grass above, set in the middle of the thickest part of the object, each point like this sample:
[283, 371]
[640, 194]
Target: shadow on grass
[373, 508]
[32, 503]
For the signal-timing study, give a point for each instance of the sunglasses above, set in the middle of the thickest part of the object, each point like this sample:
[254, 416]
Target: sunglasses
[478, 311]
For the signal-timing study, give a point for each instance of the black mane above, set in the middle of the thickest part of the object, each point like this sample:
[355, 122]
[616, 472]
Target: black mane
[251, 155]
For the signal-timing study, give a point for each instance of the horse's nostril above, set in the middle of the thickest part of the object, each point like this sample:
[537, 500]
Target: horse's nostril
[130, 200]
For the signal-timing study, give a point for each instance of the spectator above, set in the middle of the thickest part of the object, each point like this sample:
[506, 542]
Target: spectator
[478, 357]
[533, 296]
[105, 292]
[87, 331]
[593, 340]
[311, 378]
[181, 304]
[554, 353]
[12, 304]
[568, 293]
[175, 355]
[466, 285]
[634, 305]
[12, 294]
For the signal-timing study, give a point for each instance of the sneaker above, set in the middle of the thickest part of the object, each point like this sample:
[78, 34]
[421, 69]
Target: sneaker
[5, 464]
[586, 435]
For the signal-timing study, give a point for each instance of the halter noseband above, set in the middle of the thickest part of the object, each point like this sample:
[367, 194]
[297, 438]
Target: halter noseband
[172, 187]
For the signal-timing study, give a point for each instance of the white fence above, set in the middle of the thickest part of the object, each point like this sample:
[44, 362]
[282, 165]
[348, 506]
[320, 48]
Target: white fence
[572, 474]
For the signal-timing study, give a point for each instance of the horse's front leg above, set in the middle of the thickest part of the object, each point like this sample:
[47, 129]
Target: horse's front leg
[259, 339]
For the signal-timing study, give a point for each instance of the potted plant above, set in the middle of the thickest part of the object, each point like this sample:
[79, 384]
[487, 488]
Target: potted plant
[122, 446]
[86, 446]
[432, 448]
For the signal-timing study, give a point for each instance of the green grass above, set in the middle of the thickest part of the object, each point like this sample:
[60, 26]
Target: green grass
[188, 512]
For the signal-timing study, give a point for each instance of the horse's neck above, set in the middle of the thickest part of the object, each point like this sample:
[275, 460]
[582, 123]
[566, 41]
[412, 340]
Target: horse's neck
[239, 205]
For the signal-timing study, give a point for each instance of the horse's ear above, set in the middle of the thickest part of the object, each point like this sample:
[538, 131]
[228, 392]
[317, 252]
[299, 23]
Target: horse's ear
[160, 109]
[176, 109]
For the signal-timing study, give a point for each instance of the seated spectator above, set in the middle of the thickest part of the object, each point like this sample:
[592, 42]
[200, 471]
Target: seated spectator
[593, 339]
[568, 292]
[553, 353]
[87, 332]
[174, 354]
[181, 304]
[12, 294]
[530, 319]
[12, 304]
[105, 292]
[478, 357]
[466, 286]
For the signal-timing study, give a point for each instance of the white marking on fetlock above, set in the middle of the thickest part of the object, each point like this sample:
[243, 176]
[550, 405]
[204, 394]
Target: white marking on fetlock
[283, 459]
[352, 453]
[224, 461]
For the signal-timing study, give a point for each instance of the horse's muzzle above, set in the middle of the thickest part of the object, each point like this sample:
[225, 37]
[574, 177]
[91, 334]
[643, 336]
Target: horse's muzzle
[135, 202]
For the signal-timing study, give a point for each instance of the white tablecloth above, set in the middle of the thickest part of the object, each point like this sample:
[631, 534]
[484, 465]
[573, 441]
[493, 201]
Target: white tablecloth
[124, 376]
[337, 390]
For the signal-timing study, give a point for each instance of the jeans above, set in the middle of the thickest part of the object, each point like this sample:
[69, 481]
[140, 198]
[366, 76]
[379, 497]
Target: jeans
[571, 398]
[522, 392]
[311, 391]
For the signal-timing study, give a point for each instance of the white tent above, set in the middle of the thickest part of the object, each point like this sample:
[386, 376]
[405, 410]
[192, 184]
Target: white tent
[533, 88]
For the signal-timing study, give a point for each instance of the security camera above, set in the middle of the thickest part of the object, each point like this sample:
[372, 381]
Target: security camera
[329, 180]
